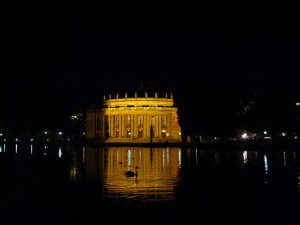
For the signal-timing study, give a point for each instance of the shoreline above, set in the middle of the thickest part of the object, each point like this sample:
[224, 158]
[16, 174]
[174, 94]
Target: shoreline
[261, 145]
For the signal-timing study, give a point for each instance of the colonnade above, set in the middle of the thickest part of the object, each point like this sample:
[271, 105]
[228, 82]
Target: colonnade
[134, 126]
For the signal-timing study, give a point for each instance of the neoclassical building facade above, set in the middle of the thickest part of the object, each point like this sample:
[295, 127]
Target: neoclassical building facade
[134, 119]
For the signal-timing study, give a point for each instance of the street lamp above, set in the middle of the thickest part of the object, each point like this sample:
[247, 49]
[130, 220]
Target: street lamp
[60, 137]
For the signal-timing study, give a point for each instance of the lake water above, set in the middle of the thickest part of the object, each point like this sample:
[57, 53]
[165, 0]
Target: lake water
[87, 185]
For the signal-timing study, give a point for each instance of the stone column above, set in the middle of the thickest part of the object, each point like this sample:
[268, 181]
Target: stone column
[135, 125]
[131, 125]
[155, 126]
[159, 126]
[149, 124]
[112, 127]
[109, 126]
[121, 125]
[146, 126]
[101, 121]
[124, 130]
[168, 124]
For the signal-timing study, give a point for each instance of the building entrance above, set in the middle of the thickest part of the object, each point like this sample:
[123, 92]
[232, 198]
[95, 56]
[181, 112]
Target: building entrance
[164, 134]
[128, 133]
[140, 134]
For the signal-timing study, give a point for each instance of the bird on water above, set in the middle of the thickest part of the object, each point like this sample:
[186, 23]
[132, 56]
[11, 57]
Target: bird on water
[130, 173]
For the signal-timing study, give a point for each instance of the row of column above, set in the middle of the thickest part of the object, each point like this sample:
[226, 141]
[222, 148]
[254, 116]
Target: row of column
[113, 123]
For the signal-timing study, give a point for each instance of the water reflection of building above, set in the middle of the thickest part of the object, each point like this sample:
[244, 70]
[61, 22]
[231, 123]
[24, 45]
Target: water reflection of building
[131, 119]
[158, 170]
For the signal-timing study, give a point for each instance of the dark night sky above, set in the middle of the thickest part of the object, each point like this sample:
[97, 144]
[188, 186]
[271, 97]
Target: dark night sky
[61, 56]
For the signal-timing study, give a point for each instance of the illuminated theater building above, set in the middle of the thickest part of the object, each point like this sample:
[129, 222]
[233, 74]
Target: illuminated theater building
[131, 119]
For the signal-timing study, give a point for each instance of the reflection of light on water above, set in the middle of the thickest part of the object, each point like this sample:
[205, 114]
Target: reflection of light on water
[245, 157]
[83, 154]
[73, 169]
[73, 173]
[45, 147]
[0, 148]
[196, 154]
[179, 158]
[16, 147]
[284, 159]
[118, 157]
[168, 156]
[298, 180]
[163, 158]
[129, 157]
[31, 149]
[59, 152]
[266, 163]
[217, 157]
[158, 173]
[140, 155]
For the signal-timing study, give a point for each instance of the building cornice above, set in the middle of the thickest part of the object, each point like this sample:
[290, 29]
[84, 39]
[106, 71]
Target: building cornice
[137, 101]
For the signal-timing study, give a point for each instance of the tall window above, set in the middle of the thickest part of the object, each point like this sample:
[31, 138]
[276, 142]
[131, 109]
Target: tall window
[128, 121]
[117, 122]
[176, 122]
[163, 122]
[152, 125]
[152, 121]
[140, 121]
[106, 126]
